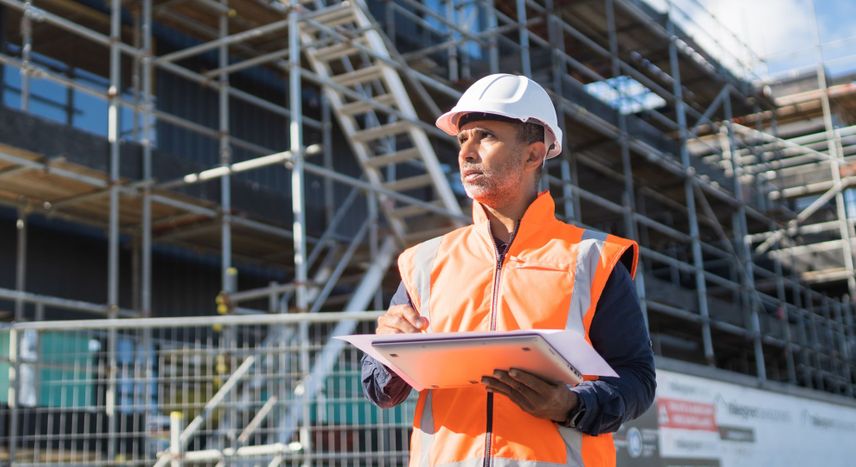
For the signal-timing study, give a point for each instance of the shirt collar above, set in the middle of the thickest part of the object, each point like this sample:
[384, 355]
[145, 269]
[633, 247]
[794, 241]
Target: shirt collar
[540, 212]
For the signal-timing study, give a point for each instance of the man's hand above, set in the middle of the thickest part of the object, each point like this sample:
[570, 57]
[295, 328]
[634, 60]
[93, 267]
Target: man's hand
[536, 396]
[400, 319]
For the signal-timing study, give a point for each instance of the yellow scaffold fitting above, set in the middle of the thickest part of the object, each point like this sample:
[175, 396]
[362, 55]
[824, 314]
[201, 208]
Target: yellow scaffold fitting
[223, 303]
[220, 365]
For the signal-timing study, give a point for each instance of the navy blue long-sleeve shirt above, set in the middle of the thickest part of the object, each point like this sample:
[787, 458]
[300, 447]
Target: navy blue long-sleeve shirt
[618, 333]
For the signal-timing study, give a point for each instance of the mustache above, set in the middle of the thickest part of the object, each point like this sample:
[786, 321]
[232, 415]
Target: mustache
[470, 169]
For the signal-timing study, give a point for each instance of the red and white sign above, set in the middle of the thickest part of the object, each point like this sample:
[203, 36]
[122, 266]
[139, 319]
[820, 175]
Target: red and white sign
[688, 415]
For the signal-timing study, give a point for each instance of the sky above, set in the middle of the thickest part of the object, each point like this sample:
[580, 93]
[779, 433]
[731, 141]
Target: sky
[780, 34]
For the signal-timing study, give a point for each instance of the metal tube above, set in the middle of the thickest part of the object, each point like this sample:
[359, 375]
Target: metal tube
[298, 207]
[322, 295]
[836, 158]
[113, 236]
[327, 151]
[225, 154]
[236, 93]
[850, 335]
[742, 239]
[61, 303]
[147, 159]
[175, 426]
[147, 71]
[523, 32]
[194, 321]
[689, 193]
[493, 47]
[557, 43]
[817, 351]
[629, 198]
[367, 187]
[296, 149]
[780, 294]
[237, 167]
[257, 420]
[452, 51]
[41, 15]
[12, 394]
[840, 330]
[215, 401]
[21, 262]
[26, 52]
[249, 63]
[224, 41]
[325, 360]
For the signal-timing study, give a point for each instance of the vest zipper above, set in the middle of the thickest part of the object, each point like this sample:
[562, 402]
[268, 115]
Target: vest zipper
[497, 276]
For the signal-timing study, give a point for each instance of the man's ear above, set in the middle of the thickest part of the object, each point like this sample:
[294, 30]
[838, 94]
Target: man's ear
[536, 153]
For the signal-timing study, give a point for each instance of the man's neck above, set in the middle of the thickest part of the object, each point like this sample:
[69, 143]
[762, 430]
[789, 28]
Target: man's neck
[504, 218]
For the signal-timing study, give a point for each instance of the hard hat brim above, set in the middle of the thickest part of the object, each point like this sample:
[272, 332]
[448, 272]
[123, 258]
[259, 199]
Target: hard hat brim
[448, 122]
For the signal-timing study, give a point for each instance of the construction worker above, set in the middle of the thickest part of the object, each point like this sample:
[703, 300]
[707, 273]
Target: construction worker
[517, 267]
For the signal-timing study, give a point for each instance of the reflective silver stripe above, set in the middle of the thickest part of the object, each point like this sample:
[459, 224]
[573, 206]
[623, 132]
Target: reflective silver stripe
[423, 262]
[426, 435]
[573, 444]
[573, 450]
[588, 256]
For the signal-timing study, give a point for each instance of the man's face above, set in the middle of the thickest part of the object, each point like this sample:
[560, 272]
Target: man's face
[492, 160]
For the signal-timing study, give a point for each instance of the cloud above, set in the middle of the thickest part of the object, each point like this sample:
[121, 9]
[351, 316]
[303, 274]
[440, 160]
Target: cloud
[763, 36]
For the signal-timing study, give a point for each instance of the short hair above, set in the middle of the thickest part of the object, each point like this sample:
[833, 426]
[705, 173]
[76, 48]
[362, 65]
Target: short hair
[530, 132]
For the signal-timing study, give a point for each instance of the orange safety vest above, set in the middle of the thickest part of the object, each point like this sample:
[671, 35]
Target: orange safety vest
[551, 277]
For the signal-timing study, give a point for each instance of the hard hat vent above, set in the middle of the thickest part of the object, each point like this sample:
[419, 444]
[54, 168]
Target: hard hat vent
[504, 89]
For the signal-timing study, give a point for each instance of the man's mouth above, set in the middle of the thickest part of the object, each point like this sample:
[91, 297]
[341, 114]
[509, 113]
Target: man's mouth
[468, 175]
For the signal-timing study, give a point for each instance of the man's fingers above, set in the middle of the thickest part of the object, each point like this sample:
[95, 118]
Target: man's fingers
[412, 316]
[394, 324]
[500, 387]
[531, 397]
[400, 319]
[532, 381]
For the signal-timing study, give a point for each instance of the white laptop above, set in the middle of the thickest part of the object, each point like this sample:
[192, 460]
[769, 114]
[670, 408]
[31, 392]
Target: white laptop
[460, 361]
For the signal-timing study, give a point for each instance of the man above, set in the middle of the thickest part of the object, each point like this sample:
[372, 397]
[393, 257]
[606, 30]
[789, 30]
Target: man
[517, 267]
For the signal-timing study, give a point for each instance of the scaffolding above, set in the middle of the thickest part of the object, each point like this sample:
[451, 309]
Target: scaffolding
[664, 144]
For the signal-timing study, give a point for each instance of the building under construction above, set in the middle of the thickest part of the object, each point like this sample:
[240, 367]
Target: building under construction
[255, 166]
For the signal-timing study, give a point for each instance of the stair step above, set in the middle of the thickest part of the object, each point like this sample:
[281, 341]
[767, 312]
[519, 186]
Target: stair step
[409, 183]
[360, 107]
[381, 131]
[413, 210]
[334, 16]
[393, 158]
[342, 49]
[362, 75]
[422, 235]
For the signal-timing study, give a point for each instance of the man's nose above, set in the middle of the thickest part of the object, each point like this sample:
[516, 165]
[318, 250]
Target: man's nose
[468, 152]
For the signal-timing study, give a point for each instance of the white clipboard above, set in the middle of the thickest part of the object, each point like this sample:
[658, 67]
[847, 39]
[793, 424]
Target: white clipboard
[442, 360]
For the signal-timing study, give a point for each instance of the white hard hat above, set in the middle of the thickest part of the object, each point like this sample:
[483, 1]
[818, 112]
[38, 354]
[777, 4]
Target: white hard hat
[510, 96]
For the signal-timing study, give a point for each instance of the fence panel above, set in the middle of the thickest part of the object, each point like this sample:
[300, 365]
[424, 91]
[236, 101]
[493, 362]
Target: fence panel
[241, 389]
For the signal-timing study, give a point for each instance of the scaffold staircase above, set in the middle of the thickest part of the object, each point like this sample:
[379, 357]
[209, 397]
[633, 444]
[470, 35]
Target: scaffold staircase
[343, 275]
[379, 120]
[383, 129]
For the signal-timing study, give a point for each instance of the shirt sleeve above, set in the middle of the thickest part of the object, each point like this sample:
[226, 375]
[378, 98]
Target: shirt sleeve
[618, 332]
[383, 387]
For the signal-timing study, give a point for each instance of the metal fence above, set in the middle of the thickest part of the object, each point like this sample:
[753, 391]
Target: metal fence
[226, 390]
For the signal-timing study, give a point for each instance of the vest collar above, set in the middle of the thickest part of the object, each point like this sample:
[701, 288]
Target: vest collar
[541, 212]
